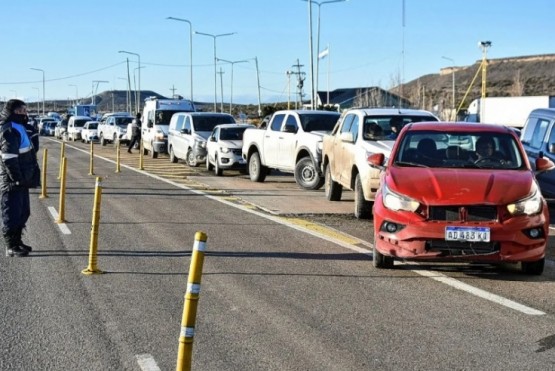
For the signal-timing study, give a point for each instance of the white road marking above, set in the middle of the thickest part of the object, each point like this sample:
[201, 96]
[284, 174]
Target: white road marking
[479, 292]
[147, 363]
[63, 227]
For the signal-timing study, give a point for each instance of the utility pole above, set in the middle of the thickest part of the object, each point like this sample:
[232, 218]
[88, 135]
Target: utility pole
[300, 82]
[484, 45]
[173, 89]
[221, 73]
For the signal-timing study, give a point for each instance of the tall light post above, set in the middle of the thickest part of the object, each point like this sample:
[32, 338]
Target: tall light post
[38, 98]
[231, 97]
[95, 88]
[484, 45]
[190, 49]
[137, 98]
[139, 62]
[453, 114]
[43, 87]
[320, 3]
[214, 37]
[76, 92]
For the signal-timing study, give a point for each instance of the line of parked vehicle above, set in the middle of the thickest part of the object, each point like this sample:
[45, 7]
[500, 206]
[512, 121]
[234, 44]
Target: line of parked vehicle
[437, 191]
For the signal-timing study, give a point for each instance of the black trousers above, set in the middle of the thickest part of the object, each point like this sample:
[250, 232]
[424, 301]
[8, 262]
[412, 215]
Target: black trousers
[16, 210]
[134, 140]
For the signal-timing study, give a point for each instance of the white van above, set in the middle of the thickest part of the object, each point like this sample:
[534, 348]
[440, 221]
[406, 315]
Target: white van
[75, 125]
[157, 114]
[188, 133]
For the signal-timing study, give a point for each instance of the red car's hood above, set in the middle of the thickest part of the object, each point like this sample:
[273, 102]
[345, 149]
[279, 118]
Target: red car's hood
[435, 186]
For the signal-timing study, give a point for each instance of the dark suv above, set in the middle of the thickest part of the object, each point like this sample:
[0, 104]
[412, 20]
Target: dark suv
[538, 139]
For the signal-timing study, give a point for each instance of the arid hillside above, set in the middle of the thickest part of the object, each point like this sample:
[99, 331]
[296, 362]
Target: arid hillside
[516, 76]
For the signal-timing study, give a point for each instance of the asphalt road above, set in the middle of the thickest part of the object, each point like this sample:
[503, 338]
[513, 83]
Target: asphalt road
[280, 291]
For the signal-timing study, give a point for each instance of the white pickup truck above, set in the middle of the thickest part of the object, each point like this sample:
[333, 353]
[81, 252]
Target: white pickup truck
[291, 143]
[113, 128]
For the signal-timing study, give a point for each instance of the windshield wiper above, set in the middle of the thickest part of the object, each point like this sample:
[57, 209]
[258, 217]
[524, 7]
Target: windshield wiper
[411, 164]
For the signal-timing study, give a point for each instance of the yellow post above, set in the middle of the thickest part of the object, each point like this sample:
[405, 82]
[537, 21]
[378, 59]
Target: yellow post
[92, 268]
[91, 160]
[184, 354]
[62, 155]
[117, 158]
[141, 161]
[43, 175]
[62, 211]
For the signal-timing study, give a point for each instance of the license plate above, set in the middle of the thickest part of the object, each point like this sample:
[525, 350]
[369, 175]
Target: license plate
[467, 234]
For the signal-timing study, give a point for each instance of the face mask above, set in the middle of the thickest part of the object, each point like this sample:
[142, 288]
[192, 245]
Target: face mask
[20, 118]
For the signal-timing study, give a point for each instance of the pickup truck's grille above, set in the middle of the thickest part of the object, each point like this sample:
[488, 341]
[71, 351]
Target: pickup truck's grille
[463, 213]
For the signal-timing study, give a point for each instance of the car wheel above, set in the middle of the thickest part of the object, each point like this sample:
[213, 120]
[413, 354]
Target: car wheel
[173, 159]
[257, 172]
[306, 174]
[363, 208]
[153, 153]
[217, 170]
[145, 151]
[191, 161]
[380, 260]
[332, 189]
[102, 140]
[533, 268]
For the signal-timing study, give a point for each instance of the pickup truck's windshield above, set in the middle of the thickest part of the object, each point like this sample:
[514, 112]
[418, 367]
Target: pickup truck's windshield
[123, 121]
[319, 122]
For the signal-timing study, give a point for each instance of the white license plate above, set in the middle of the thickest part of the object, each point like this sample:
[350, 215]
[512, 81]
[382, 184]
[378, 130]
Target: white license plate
[467, 234]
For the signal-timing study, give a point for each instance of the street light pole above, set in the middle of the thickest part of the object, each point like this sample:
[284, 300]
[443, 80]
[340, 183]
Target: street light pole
[231, 97]
[190, 49]
[453, 114]
[95, 89]
[139, 90]
[318, 37]
[214, 37]
[43, 87]
[76, 92]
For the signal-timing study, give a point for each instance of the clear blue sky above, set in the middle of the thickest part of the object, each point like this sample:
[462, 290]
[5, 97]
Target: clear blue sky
[78, 42]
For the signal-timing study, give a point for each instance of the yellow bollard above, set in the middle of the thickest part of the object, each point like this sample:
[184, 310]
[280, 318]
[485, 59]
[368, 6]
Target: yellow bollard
[62, 211]
[91, 160]
[118, 169]
[141, 161]
[43, 175]
[184, 354]
[62, 155]
[92, 268]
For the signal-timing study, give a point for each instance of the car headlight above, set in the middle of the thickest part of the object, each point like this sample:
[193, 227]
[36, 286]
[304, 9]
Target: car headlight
[527, 206]
[224, 150]
[396, 202]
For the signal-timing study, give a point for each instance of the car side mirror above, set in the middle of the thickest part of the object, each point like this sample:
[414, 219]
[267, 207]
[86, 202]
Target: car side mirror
[212, 139]
[290, 129]
[544, 164]
[347, 137]
[376, 160]
[150, 124]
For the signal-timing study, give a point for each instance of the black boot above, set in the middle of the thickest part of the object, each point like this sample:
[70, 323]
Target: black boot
[12, 247]
[19, 236]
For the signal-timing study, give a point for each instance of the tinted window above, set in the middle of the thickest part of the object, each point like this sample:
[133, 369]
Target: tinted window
[207, 123]
[276, 122]
[539, 133]
[383, 121]
[123, 121]
[179, 122]
[319, 122]
[232, 133]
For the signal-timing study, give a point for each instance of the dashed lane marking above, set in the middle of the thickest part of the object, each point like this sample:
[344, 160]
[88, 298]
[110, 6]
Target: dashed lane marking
[63, 227]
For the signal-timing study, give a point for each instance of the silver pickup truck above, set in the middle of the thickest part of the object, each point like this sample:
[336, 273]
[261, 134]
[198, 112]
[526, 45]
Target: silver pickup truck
[291, 143]
[360, 133]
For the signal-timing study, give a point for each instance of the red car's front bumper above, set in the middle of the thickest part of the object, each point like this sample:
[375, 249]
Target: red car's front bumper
[421, 239]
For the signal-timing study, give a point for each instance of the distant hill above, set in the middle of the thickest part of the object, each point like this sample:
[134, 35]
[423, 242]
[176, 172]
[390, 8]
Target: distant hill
[515, 76]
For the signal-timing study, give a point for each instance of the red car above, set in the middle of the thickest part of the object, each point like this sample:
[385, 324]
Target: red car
[460, 192]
